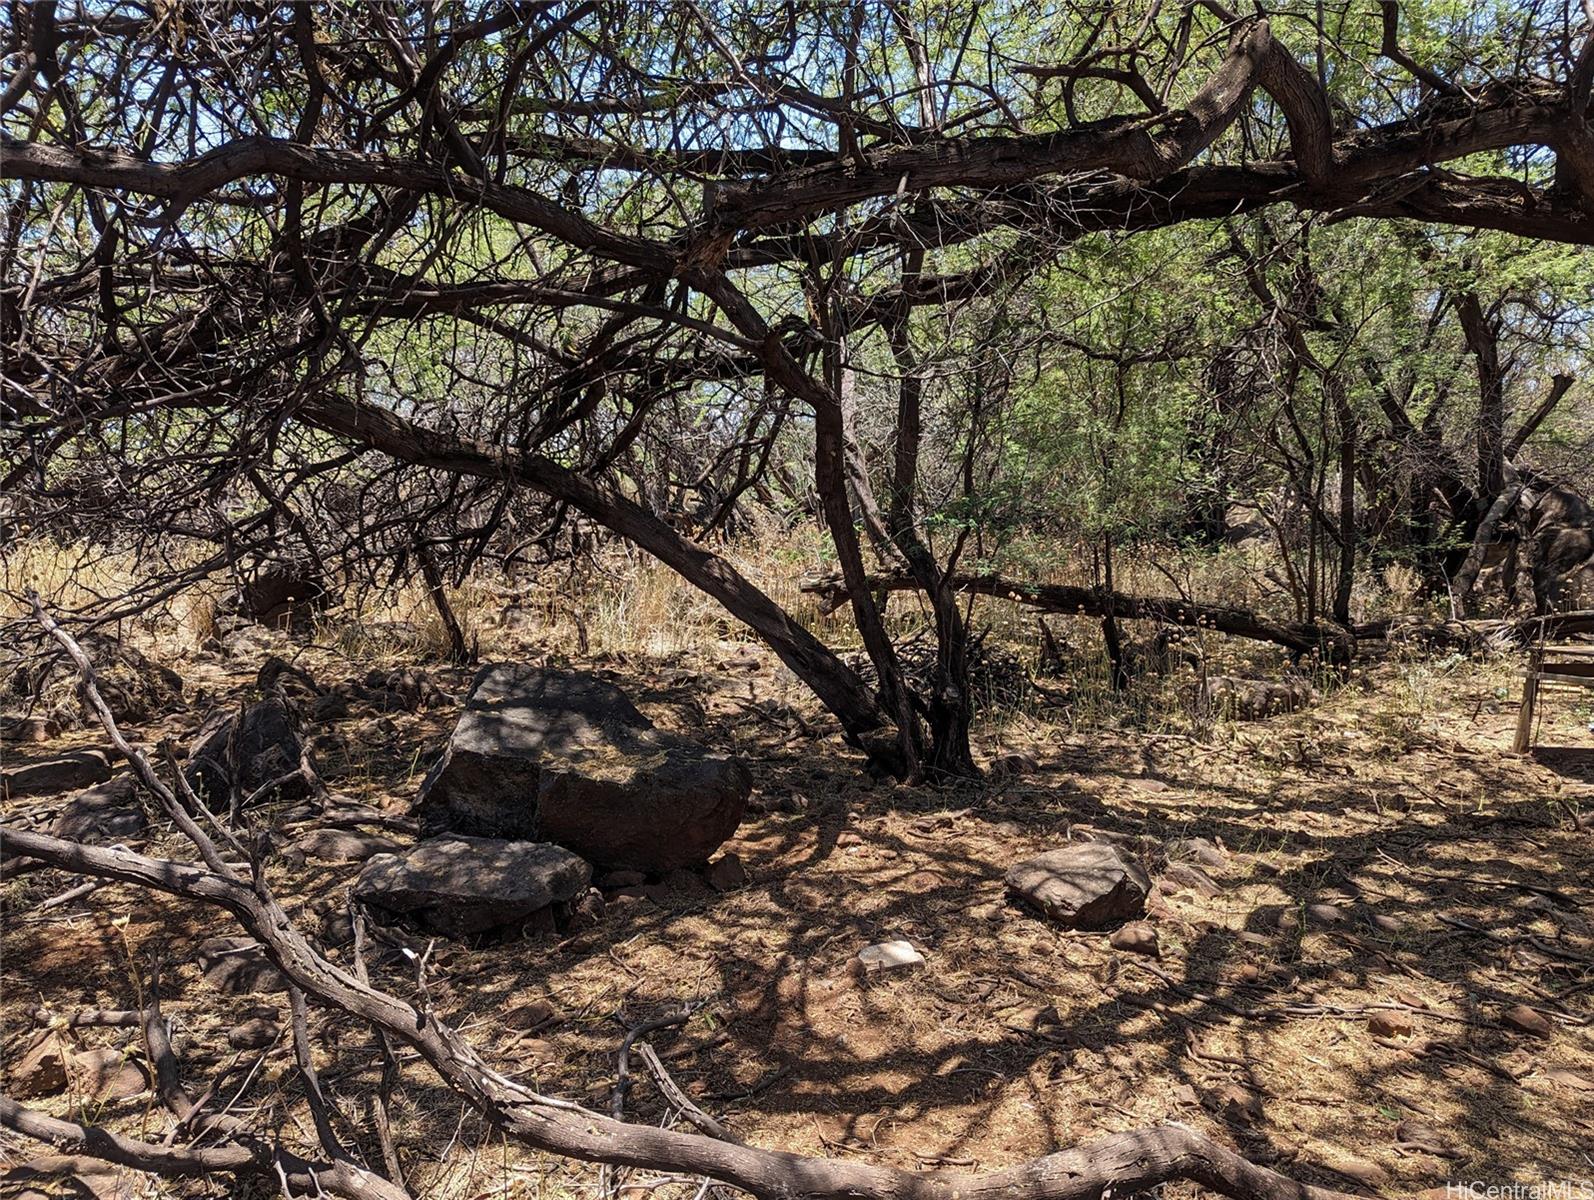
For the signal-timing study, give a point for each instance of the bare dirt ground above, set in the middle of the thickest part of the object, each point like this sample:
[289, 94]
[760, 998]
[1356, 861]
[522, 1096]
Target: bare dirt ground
[1334, 992]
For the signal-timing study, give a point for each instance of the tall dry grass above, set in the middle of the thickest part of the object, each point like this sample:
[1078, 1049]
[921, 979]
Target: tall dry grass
[622, 603]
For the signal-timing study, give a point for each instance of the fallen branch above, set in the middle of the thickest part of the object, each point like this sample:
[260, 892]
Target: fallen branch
[338, 1179]
[1073, 600]
[1067, 599]
[673, 1093]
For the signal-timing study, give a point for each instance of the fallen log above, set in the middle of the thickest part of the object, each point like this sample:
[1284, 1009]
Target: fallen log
[1302, 637]
[1066, 599]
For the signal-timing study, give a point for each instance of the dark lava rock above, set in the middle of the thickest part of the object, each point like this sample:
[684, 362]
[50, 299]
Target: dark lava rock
[249, 750]
[464, 885]
[564, 757]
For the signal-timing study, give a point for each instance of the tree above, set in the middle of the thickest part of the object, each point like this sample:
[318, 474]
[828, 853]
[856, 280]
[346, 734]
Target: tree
[292, 244]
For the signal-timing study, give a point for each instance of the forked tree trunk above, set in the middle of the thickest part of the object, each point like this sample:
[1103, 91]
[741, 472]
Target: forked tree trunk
[950, 706]
[836, 684]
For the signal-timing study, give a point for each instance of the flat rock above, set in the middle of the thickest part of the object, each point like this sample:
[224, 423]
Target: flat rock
[564, 757]
[1089, 885]
[106, 812]
[238, 965]
[458, 885]
[75, 769]
[889, 956]
[344, 845]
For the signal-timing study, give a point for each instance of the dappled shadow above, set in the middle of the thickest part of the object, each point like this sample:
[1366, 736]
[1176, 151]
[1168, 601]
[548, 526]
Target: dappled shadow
[1428, 879]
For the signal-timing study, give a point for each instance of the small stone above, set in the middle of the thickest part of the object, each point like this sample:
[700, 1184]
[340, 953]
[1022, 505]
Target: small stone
[236, 965]
[1362, 1171]
[1193, 877]
[344, 845]
[1013, 766]
[106, 812]
[534, 1014]
[333, 706]
[588, 911]
[541, 923]
[108, 1074]
[1033, 1018]
[889, 956]
[23, 729]
[337, 929]
[1575, 1080]
[535, 1052]
[1323, 915]
[1385, 923]
[1238, 1104]
[1137, 937]
[255, 1034]
[1526, 1020]
[727, 873]
[566, 757]
[1389, 1023]
[1087, 885]
[457, 886]
[1202, 851]
[1411, 1134]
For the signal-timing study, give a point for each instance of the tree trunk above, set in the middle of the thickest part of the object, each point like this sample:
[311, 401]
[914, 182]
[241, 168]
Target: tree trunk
[1109, 623]
[951, 706]
[1483, 340]
[1348, 436]
[458, 651]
